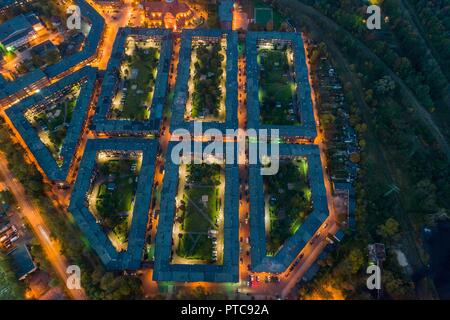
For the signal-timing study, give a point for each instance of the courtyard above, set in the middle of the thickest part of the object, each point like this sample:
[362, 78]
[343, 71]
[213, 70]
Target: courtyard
[138, 72]
[277, 90]
[207, 80]
[287, 202]
[277, 84]
[52, 120]
[198, 227]
[113, 193]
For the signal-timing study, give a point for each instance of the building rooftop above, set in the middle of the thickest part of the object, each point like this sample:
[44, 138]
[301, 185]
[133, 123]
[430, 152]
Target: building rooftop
[16, 28]
[90, 45]
[22, 262]
[43, 48]
[226, 10]
[172, 14]
[11, 87]
[173, 7]
[6, 3]
[46, 161]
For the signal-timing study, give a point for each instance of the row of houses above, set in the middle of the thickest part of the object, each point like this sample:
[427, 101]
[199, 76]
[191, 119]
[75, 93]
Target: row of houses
[8, 4]
[18, 31]
[184, 72]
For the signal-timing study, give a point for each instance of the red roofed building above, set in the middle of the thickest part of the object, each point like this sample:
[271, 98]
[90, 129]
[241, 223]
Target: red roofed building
[170, 14]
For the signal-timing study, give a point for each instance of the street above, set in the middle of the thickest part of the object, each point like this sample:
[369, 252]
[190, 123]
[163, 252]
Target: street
[127, 15]
[37, 223]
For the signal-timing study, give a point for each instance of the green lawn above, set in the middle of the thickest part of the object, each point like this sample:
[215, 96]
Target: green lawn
[195, 247]
[263, 16]
[204, 181]
[54, 121]
[194, 221]
[289, 201]
[139, 83]
[208, 75]
[115, 204]
[276, 88]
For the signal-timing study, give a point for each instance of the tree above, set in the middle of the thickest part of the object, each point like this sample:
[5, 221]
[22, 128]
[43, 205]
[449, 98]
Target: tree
[396, 287]
[388, 229]
[384, 85]
[356, 260]
[355, 157]
[52, 57]
[10, 287]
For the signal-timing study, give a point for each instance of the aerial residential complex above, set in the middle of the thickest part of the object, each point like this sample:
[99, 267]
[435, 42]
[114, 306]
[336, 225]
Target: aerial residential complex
[104, 136]
[229, 149]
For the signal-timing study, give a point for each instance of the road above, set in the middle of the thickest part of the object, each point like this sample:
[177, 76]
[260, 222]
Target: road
[150, 287]
[31, 213]
[244, 207]
[126, 15]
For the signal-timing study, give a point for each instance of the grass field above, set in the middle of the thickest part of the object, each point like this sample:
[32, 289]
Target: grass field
[52, 122]
[263, 13]
[196, 247]
[200, 211]
[277, 91]
[117, 183]
[288, 198]
[138, 75]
